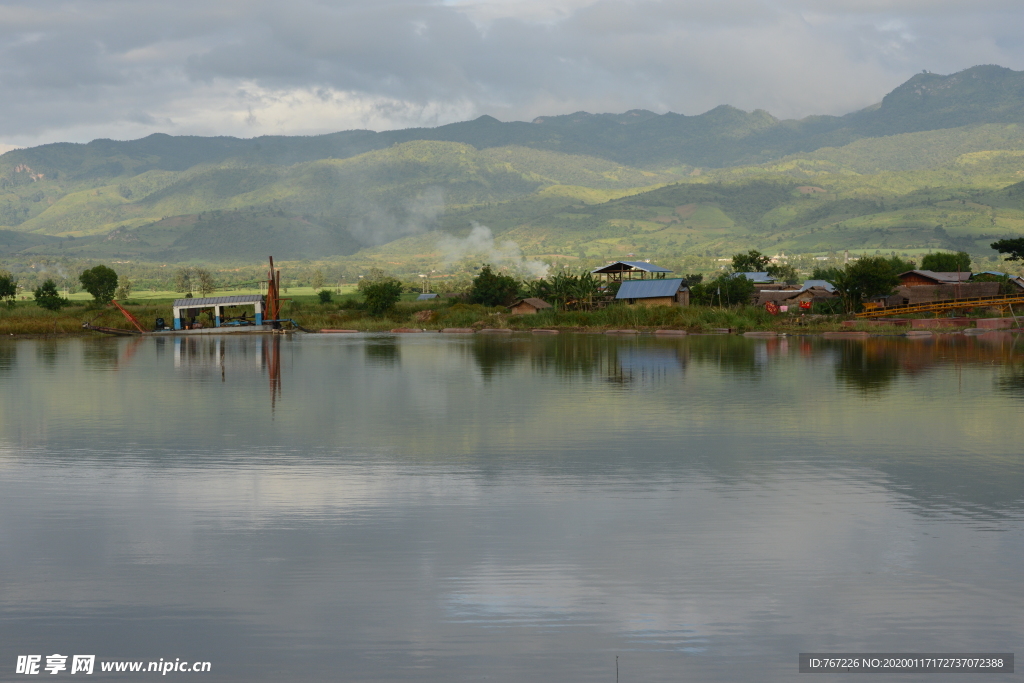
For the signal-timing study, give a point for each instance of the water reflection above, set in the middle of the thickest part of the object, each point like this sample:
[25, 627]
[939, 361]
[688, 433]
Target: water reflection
[7, 355]
[458, 508]
[47, 350]
[383, 351]
[101, 354]
[868, 367]
[616, 360]
[874, 364]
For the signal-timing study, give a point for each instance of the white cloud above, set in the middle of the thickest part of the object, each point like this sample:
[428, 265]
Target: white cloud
[74, 70]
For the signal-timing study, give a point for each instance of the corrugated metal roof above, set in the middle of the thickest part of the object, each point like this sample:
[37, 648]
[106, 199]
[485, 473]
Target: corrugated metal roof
[941, 277]
[645, 289]
[426, 297]
[825, 284]
[218, 301]
[636, 265]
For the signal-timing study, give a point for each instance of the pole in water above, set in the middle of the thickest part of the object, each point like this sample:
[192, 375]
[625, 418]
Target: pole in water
[616, 669]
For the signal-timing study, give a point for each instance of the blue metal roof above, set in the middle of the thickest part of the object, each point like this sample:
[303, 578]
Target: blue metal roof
[818, 283]
[645, 289]
[756, 277]
[426, 297]
[637, 265]
[238, 300]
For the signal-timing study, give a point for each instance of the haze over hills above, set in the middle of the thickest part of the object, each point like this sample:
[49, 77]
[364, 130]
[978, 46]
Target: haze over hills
[930, 167]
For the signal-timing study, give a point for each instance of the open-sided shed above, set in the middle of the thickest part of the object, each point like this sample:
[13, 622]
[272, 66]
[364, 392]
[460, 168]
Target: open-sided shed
[630, 270]
[187, 310]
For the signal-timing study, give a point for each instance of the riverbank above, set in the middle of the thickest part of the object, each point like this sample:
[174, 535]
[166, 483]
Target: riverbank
[26, 319]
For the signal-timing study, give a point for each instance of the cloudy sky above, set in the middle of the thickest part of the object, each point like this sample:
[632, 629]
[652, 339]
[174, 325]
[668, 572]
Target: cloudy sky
[74, 70]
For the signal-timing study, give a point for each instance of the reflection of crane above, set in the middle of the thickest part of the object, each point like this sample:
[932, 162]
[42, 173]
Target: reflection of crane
[273, 293]
[1003, 302]
[272, 361]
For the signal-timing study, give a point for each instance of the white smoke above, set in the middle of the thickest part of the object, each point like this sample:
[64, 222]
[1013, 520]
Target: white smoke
[380, 225]
[480, 245]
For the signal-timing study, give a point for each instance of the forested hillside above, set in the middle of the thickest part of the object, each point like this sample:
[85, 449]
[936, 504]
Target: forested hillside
[938, 164]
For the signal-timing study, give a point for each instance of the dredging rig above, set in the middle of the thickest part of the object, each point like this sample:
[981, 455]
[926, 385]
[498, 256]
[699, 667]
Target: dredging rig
[221, 312]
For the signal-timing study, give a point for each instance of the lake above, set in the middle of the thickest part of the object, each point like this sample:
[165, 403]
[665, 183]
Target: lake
[461, 508]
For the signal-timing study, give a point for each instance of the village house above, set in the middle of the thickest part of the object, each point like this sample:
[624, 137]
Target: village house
[665, 292]
[811, 290]
[528, 306]
[923, 278]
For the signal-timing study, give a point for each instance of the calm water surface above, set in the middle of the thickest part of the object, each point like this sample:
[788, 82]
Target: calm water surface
[428, 508]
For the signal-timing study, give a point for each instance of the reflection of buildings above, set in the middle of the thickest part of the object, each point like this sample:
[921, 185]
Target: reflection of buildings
[874, 363]
[217, 355]
[649, 362]
[620, 361]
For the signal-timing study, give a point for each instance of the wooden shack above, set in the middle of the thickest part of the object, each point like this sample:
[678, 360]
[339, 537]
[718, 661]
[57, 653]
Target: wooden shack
[667, 292]
[528, 306]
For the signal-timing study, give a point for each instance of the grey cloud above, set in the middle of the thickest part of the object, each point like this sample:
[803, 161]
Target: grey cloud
[75, 68]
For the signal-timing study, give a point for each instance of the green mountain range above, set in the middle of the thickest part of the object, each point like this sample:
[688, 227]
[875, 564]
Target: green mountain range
[937, 164]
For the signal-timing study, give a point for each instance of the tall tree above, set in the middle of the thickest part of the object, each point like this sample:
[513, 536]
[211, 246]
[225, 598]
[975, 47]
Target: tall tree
[47, 297]
[751, 262]
[183, 280]
[946, 262]
[124, 289]
[492, 289]
[724, 290]
[101, 282]
[784, 272]
[1013, 246]
[8, 287]
[868, 277]
[204, 282]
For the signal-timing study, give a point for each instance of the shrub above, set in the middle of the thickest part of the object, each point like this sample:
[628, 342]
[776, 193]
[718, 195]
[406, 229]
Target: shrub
[724, 290]
[324, 295]
[491, 289]
[381, 296]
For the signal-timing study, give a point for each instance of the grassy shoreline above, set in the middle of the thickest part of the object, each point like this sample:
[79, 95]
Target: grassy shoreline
[25, 319]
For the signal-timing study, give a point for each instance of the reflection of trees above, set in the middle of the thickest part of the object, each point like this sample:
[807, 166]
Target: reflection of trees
[585, 355]
[496, 355]
[872, 364]
[1012, 381]
[728, 352]
[382, 351]
[569, 354]
[7, 354]
[100, 353]
[46, 352]
[867, 367]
